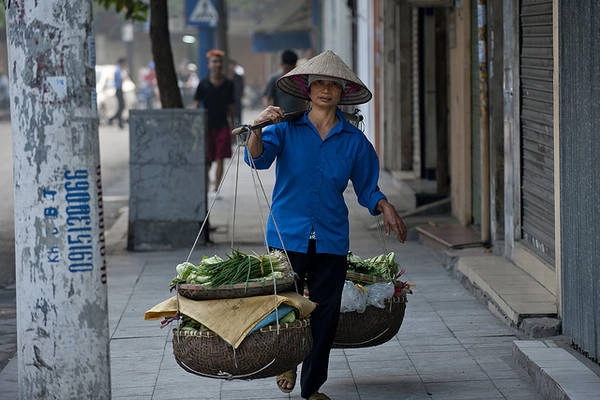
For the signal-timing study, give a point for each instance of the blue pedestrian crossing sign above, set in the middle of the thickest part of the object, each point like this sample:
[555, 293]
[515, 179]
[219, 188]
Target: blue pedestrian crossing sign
[201, 13]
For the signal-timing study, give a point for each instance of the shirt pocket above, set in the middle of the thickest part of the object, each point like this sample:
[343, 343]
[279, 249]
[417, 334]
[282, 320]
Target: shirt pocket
[338, 169]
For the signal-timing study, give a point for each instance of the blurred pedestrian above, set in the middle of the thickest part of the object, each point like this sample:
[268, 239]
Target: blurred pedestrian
[188, 81]
[216, 94]
[120, 76]
[236, 74]
[272, 95]
[149, 86]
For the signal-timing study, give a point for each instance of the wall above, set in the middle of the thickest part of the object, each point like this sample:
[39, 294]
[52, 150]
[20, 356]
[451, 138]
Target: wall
[365, 62]
[337, 29]
[579, 124]
[396, 94]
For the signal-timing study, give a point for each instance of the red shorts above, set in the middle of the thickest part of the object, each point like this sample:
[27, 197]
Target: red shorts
[218, 144]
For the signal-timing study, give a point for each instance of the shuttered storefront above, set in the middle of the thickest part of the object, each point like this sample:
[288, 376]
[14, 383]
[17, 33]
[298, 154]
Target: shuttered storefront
[536, 119]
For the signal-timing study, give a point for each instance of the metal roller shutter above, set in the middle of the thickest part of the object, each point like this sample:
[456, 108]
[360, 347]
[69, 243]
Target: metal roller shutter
[537, 137]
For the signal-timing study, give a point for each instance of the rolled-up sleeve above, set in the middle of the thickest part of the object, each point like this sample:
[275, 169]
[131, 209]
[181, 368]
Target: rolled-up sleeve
[271, 142]
[365, 176]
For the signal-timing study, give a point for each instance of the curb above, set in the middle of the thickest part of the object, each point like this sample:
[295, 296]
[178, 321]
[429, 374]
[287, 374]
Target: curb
[557, 374]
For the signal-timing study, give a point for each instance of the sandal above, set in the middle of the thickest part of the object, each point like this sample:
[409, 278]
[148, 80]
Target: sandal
[283, 380]
[318, 396]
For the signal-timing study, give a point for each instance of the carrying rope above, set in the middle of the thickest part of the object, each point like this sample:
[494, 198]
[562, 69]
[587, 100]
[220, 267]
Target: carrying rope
[242, 134]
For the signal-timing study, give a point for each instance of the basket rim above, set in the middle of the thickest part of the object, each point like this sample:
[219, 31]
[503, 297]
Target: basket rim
[397, 299]
[297, 324]
[243, 285]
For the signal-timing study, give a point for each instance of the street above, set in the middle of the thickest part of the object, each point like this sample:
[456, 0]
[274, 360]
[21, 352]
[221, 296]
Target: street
[450, 345]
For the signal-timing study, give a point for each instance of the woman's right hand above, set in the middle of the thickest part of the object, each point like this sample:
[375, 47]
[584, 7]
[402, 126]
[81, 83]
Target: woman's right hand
[254, 145]
[271, 113]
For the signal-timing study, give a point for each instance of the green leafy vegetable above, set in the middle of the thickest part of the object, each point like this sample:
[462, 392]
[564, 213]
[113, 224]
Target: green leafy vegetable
[239, 267]
[383, 265]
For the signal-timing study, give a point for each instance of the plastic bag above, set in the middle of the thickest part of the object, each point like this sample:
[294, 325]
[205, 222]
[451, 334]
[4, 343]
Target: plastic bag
[353, 298]
[378, 292]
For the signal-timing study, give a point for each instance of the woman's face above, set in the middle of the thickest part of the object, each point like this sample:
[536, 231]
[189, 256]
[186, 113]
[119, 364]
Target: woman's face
[325, 93]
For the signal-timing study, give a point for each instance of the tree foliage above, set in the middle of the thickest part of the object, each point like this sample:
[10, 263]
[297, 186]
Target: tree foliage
[160, 40]
[133, 9]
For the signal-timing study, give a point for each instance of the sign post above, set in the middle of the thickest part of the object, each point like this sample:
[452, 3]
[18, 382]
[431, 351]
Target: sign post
[62, 308]
[204, 15]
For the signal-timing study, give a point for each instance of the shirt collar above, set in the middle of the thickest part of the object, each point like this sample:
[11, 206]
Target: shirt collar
[339, 127]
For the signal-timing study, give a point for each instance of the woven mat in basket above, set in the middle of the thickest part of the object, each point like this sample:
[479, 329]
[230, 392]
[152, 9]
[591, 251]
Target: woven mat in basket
[231, 319]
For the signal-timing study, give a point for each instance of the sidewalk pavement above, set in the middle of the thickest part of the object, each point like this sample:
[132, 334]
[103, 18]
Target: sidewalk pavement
[450, 346]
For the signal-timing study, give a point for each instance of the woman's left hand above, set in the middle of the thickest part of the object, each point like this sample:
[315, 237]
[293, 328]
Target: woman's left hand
[392, 221]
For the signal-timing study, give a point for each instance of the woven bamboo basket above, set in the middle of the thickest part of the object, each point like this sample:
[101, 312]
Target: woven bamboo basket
[203, 292]
[262, 354]
[372, 327]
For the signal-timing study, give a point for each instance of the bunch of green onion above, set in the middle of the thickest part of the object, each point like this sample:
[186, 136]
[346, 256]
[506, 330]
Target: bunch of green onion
[383, 265]
[239, 267]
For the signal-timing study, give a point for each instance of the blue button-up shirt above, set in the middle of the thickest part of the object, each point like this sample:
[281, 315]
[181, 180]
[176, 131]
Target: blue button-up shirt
[310, 178]
[118, 77]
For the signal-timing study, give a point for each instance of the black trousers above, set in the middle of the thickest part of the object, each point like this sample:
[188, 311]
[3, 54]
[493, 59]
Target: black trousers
[120, 108]
[324, 275]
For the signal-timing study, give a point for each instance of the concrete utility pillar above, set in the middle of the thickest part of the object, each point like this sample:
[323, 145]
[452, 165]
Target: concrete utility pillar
[62, 318]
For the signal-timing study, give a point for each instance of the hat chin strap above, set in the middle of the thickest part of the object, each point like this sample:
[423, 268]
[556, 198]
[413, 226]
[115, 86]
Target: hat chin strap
[352, 88]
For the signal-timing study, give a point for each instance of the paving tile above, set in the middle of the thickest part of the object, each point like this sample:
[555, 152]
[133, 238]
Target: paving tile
[375, 368]
[447, 367]
[464, 390]
[256, 392]
[437, 346]
[119, 391]
[518, 388]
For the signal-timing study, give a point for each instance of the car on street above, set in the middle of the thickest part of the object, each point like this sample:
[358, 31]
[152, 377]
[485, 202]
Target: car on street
[105, 93]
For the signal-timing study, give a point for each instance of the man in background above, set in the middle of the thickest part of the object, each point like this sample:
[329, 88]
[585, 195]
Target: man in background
[272, 95]
[216, 94]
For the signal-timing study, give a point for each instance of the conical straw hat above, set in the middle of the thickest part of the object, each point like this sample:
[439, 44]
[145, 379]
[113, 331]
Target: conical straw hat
[326, 64]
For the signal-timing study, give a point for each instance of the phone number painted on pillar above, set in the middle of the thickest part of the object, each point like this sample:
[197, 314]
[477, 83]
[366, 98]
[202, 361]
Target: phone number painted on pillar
[80, 252]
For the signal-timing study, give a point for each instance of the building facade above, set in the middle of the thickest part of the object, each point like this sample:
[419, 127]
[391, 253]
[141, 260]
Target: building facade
[489, 107]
